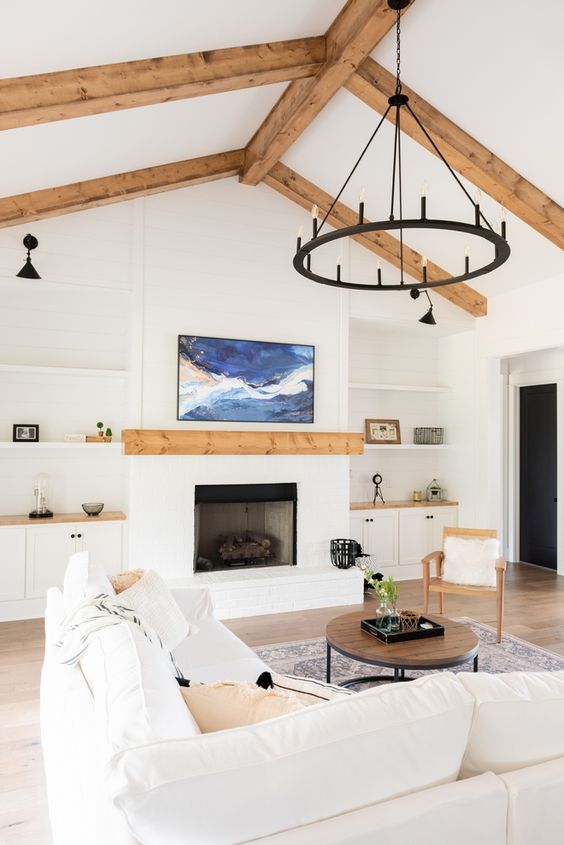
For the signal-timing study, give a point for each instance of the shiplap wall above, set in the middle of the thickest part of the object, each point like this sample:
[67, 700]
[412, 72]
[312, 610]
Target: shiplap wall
[391, 355]
[118, 285]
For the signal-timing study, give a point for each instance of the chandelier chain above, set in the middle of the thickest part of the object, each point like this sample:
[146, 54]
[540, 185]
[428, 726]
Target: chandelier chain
[398, 51]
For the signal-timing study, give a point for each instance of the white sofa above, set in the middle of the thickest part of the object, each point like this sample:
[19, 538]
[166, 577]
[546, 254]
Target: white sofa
[465, 759]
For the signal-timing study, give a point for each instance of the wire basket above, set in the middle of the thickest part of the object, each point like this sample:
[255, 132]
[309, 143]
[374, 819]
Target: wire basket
[343, 553]
[428, 436]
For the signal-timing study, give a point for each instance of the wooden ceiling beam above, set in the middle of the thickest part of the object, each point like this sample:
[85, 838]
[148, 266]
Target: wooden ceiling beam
[353, 34]
[373, 84]
[52, 202]
[299, 190]
[30, 100]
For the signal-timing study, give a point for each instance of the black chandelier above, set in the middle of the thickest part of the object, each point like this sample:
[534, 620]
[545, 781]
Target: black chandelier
[480, 227]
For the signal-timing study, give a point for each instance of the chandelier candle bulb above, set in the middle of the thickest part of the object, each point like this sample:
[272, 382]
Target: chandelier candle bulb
[466, 261]
[361, 207]
[379, 273]
[503, 218]
[424, 200]
[300, 234]
[315, 216]
[339, 268]
[424, 269]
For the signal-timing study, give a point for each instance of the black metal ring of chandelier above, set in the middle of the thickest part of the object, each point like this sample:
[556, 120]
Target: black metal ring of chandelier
[399, 101]
[502, 252]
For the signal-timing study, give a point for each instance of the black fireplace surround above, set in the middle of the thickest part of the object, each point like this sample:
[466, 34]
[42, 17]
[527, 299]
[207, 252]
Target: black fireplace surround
[244, 525]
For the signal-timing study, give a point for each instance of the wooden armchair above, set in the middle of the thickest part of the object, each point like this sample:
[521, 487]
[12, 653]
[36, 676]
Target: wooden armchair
[438, 585]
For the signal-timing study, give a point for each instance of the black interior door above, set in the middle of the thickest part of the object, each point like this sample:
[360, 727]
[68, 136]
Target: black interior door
[538, 474]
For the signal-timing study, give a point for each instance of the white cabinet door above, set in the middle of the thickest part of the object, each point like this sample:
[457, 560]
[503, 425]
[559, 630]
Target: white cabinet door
[414, 535]
[441, 517]
[380, 536]
[357, 526]
[48, 550]
[12, 563]
[104, 542]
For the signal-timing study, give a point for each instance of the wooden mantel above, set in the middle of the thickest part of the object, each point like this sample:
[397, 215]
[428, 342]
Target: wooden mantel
[145, 441]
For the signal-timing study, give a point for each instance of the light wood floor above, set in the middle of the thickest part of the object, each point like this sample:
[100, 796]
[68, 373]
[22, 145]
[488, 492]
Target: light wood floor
[534, 611]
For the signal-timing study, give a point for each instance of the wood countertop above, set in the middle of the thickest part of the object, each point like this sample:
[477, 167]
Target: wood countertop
[365, 506]
[60, 518]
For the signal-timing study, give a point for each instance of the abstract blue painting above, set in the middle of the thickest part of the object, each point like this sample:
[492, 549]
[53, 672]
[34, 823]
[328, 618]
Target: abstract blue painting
[220, 379]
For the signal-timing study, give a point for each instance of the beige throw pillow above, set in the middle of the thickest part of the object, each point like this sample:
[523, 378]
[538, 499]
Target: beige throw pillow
[230, 704]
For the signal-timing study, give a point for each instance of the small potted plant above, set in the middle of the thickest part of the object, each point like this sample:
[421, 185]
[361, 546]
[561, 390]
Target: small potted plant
[108, 435]
[100, 427]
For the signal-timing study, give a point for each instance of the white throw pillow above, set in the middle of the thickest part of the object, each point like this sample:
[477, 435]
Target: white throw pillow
[84, 578]
[319, 762]
[470, 560]
[153, 601]
[136, 698]
[518, 720]
[308, 690]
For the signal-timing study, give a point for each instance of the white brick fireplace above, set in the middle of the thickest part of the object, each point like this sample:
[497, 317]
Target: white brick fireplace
[161, 515]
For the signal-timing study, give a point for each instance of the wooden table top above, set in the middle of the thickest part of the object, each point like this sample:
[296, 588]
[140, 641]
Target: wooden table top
[458, 644]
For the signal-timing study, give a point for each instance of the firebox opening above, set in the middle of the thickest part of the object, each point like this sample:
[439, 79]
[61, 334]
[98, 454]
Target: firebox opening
[244, 525]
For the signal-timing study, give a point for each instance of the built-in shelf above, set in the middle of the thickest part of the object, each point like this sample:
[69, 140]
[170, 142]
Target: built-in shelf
[62, 371]
[46, 444]
[414, 446]
[412, 388]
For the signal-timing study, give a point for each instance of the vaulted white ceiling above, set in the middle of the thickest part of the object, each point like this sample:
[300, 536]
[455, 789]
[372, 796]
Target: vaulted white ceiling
[494, 68]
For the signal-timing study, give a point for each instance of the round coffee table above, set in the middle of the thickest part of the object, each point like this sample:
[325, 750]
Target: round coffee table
[344, 634]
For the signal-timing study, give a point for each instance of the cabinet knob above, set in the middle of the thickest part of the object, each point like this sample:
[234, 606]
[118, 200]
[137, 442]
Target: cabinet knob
[79, 535]
[72, 536]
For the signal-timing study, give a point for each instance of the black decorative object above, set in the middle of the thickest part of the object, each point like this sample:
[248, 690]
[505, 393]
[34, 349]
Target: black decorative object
[28, 271]
[92, 508]
[431, 629]
[25, 433]
[344, 553]
[480, 227]
[377, 482]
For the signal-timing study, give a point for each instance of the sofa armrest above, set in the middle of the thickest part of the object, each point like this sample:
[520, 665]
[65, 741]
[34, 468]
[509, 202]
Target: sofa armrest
[194, 602]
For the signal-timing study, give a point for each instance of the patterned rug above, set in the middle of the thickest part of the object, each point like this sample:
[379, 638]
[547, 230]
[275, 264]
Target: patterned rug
[308, 657]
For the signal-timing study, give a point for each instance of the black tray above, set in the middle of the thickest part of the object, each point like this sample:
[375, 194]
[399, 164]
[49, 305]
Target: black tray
[419, 633]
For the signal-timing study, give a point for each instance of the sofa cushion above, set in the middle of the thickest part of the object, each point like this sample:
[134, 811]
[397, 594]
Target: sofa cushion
[319, 762]
[84, 578]
[469, 560]
[518, 720]
[464, 813]
[216, 654]
[150, 597]
[230, 704]
[536, 808]
[137, 699]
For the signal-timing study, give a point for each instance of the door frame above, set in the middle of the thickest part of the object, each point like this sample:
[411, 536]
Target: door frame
[515, 382]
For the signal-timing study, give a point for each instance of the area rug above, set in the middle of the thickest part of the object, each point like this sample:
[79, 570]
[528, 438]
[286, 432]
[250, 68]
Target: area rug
[308, 657]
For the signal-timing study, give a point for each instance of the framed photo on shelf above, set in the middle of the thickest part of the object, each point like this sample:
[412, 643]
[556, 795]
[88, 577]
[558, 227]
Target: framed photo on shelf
[382, 432]
[25, 433]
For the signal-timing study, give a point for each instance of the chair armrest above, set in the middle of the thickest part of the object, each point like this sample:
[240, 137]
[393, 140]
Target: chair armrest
[500, 564]
[438, 558]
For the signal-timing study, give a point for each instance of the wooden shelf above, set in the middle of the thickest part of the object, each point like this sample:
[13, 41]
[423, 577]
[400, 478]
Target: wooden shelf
[27, 447]
[365, 506]
[411, 388]
[60, 518]
[217, 442]
[413, 446]
[63, 371]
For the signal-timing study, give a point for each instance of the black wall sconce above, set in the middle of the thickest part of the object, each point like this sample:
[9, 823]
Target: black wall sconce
[427, 318]
[28, 271]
